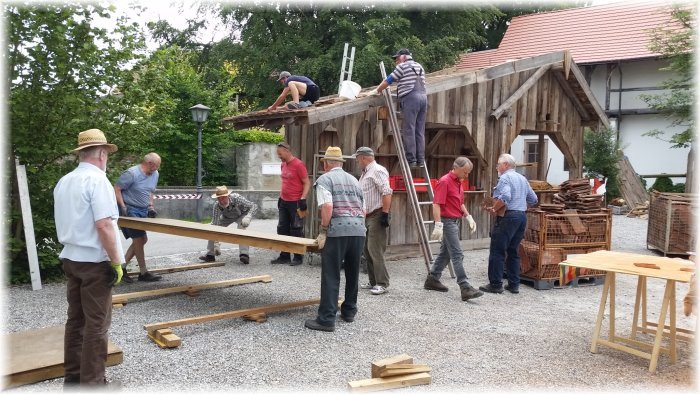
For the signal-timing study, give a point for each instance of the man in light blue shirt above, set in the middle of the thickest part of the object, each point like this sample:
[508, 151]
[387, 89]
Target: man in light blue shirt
[512, 193]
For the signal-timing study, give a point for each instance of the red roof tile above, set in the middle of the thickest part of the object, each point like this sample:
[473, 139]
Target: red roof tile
[604, 33]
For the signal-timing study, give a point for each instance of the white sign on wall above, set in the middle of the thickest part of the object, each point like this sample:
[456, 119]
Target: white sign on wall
[271, 169]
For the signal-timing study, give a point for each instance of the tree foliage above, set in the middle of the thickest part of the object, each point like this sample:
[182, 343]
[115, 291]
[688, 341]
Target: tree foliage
[676, 43]
[600, 157]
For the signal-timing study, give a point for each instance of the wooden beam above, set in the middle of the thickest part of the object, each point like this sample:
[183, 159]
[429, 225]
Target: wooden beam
[125, 297]
[505, 105]
[229, 315]
[379, 384]
[224, 234]
[434, 143]
[572, 96]
[400, 370]
[178, 268]
[401, 359]
[591, 98]
[519, 65]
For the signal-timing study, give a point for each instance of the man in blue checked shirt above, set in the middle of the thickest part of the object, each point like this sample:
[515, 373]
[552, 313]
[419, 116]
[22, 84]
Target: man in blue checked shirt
[512, 192]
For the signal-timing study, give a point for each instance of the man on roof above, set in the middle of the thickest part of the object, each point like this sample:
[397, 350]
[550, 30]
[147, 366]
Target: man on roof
[304, 91]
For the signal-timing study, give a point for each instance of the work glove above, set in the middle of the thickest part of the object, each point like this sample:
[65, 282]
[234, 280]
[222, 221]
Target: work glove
[437, 232]
[384, 220]
[152, 213]
[117, 267]
[245, 222]
[122, 211]
[321, 239]
[302, 204]
[472, 224]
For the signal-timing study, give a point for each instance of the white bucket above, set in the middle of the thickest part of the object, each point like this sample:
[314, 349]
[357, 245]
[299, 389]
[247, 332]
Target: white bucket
[349, 90]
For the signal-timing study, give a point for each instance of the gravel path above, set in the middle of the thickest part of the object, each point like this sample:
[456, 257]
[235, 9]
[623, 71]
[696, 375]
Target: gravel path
[535, 340]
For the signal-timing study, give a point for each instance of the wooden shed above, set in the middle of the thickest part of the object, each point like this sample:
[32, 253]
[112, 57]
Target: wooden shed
[474, 113]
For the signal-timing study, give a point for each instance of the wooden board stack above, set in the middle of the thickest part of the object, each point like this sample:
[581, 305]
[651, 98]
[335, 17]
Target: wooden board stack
[576, 194]
[393, 372]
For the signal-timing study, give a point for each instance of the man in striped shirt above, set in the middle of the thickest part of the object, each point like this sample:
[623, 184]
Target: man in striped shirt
[377, 193]
[513, 192]
[410, 76]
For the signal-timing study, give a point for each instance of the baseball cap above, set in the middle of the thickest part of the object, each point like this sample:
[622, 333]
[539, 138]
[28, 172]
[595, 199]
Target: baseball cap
[284, 74]
[364, 151]
[402, 51]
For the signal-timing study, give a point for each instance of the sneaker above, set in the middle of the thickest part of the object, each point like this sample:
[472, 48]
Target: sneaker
[347, 319]
[512, 289]
[149, 277]
[304, 104]
[412, 164]
[377, 290]
[295, 262]
[245, 259]
[469, 292]
[315, 325]
[280, 260]
[366, 286]
[293, 106]
[207, 258]
[491, 289]
[433, 284]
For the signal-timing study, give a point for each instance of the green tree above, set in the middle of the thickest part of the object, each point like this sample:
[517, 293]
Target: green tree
[675, 43]
[600, 157]
[61, 67]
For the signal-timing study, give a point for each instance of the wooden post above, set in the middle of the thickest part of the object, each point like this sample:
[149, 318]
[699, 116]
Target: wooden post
[29, 239]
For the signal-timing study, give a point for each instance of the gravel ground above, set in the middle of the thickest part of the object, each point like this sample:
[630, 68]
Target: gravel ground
[536, 340]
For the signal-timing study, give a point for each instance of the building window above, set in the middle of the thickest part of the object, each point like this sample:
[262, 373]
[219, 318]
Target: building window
[532, 155]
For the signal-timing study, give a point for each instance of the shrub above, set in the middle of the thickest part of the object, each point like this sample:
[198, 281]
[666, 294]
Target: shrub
[663, 184]
[257, 135]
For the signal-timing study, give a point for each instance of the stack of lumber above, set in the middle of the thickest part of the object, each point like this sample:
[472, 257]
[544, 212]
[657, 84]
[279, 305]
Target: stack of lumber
[641, 210]
[553, 208]
[393, 372]
[540, 185]
[576, 194]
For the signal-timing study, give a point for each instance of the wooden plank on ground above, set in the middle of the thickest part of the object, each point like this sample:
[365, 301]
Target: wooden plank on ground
[37, 355]
[230, 315]
[402, 369]
[179, 268]
[402, 359]
[125, 297]
[257, 239]
[378, 384]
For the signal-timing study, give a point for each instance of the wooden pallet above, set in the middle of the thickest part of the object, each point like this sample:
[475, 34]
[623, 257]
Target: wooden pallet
[161, 333]
[37, 355]
[191, 290]
[548, 284]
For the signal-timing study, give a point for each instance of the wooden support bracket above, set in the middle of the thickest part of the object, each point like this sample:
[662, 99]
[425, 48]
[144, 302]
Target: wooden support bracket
[256, 317]
[378, 384]
[165, 338]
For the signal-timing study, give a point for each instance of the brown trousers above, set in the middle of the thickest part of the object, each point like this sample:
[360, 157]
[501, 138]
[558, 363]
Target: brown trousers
[375, 246]
[89, 296]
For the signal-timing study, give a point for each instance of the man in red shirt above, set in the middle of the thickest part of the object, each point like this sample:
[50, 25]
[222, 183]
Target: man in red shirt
[448, 210]
[292, 201]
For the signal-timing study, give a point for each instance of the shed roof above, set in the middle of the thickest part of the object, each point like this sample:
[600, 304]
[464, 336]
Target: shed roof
[597, 34]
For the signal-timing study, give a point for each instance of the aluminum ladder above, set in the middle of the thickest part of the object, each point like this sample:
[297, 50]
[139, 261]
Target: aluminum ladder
[350, 61]
[421, 224]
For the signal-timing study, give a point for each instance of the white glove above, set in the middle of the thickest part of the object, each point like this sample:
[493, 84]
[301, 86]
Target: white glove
[472, 224]
[437, 232]
[245, 222]
[321, 239]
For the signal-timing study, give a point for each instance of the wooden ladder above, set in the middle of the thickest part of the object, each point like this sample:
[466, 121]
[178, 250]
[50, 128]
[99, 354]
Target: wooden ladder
[415, 203]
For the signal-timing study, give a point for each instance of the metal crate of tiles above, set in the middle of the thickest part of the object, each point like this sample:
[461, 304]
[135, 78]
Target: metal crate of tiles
[671, 222]
[550, 238]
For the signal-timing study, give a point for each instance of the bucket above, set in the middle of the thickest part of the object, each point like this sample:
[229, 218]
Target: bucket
[349, 90]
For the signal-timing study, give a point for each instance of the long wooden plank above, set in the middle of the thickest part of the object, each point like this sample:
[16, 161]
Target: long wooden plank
[224, 234]
[229, 315]
[125, 297]
[520, 91]
[179, 268]
[37, 355]
[378, 384]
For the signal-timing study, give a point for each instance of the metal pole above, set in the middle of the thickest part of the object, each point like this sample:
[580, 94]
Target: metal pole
[198, 213]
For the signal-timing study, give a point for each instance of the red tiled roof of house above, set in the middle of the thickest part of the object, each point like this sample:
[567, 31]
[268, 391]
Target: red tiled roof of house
[604, 33]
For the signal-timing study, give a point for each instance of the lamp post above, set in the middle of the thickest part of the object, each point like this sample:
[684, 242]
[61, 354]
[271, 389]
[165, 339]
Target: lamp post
[199, 115]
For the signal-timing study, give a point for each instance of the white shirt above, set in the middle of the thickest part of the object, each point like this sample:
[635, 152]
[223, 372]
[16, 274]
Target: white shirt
[82, 197]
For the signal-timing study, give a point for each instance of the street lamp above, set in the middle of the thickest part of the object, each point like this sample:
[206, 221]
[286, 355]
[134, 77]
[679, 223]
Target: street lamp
[199, 115]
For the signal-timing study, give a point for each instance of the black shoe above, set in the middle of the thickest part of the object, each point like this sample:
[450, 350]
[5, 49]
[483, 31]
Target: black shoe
[208, 258]
[295, 262]
[412, 164]
[315, 325]
[347, 319]
[434, 284]
[126, 278]
[469, 292]
[245, 259]
[149, 277]
[491, 289]
[512, 289]
[280, 260]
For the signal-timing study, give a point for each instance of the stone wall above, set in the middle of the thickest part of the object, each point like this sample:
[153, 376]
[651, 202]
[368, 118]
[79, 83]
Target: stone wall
[258, 166]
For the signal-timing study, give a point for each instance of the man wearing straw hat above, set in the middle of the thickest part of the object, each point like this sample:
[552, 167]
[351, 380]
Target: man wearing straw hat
[341, 239]
[230, 208]
[134, 190]
[86, 213]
